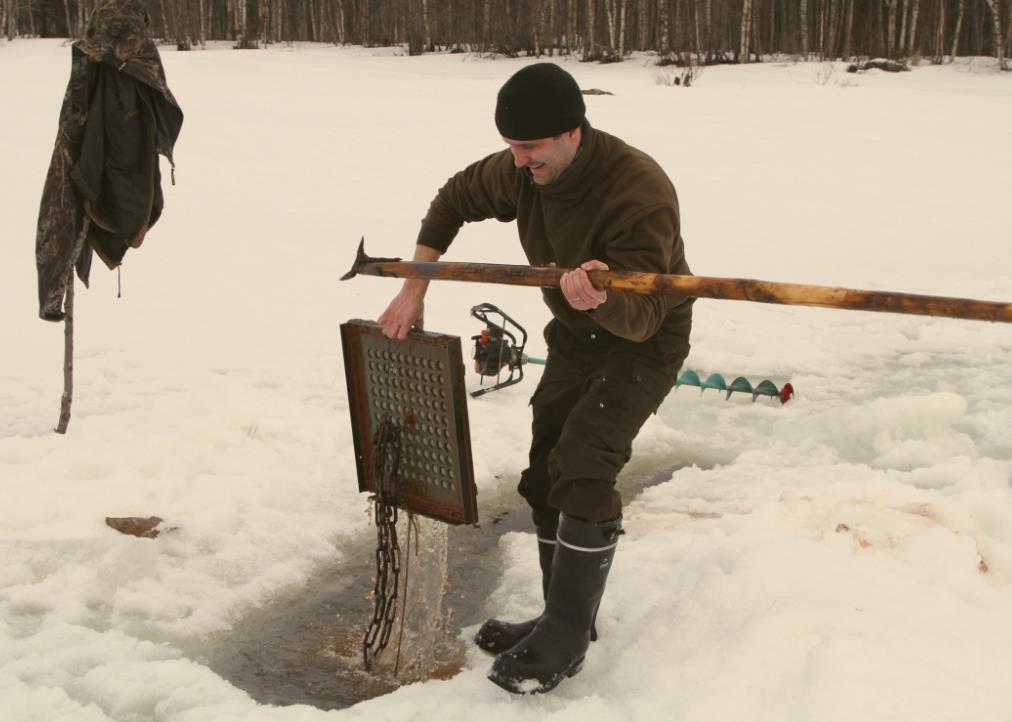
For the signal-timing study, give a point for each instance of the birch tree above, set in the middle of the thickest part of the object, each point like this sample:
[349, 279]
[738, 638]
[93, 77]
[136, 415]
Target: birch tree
[571, 40]
[615, 11]
[8, 21]
[803, 10]
[959, 27]
[902, 44]
[912, 42]
[999, 41]
[746, 31]
[891, 27]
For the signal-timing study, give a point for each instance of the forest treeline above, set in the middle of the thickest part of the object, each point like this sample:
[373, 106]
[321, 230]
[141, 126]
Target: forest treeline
[680, 31]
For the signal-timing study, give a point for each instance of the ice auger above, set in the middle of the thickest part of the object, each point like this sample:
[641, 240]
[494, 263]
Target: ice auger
[500, 347]
[496, 348]
[740, 384]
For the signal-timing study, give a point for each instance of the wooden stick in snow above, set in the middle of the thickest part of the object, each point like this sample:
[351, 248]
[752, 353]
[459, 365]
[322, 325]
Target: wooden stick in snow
[68, 333]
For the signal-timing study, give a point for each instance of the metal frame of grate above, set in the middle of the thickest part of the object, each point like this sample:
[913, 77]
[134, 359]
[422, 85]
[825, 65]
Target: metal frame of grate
[418, 386]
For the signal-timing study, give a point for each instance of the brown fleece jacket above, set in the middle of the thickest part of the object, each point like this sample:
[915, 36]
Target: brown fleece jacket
[614, 204]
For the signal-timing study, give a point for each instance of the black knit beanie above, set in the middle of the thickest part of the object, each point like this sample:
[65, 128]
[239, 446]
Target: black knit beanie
[539, 101]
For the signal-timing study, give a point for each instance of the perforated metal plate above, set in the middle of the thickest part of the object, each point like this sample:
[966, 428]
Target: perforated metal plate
[418, 385]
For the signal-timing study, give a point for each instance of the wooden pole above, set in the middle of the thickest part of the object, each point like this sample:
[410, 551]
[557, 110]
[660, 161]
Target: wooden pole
[68, 334]
[731, 289]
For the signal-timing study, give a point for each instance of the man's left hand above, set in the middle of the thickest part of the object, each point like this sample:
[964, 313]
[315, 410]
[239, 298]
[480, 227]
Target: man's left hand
[579, 291]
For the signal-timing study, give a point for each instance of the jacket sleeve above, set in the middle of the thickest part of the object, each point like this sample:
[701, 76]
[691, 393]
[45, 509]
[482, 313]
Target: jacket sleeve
[486, 189]
[650, 245]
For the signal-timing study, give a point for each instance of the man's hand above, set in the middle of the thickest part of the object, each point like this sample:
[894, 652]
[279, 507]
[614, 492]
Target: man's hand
[405, 311]
[579, 291]
[407, 307]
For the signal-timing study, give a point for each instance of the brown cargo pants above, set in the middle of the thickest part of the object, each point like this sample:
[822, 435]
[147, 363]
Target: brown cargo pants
[596, 392]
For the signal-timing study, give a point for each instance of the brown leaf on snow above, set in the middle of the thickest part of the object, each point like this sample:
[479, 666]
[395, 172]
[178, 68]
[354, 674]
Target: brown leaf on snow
[145, 527]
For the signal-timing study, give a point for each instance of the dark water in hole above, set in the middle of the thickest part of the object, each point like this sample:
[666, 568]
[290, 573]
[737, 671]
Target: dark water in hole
[306, 648]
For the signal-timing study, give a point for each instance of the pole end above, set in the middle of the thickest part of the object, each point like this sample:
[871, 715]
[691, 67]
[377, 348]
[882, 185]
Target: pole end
[365, 263]
[360, 258]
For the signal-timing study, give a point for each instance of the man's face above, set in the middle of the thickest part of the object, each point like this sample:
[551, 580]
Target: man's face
[546, 158]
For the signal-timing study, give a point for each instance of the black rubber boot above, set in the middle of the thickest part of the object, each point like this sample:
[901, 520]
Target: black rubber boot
[496, 636]
[556, 646]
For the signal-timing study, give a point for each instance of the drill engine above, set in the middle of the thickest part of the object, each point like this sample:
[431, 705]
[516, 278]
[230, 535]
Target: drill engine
[496, 348]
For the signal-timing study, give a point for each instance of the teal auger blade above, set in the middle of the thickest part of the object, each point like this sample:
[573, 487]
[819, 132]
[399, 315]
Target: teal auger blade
[688, 378]
[715, 381]
[739, 384]
[765, 388]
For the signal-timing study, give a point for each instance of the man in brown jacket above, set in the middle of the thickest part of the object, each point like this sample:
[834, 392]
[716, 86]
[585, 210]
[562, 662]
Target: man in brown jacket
[582, 200]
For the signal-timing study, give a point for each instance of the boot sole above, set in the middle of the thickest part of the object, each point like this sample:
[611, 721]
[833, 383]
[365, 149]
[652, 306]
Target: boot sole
[535, 686]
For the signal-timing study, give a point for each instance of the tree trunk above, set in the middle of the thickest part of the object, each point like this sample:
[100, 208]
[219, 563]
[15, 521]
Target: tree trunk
[181, 24]
[1008, 33]
[642, 29]
[537, 25]
[710, 33]
[590, 45]
[486, 25]
[959, 27]
[551, 30]
[338, 22]
[70, 25]
[201, 27]
[571, 43]
[698, 32]
[804, 28]
[427, 25]
[746, 31]
[912, 42]
[623, 4]
[848, 37]
[166, 28]
[891, 31]
[675, 20]
[414, 21]
[611, 13]
[248, 24]
[772, 33]
[939, 55]
[999, 41]
[664, 23]
[901, 45]
[829, 48]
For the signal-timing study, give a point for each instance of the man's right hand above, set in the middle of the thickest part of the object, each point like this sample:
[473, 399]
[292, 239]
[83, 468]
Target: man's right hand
[405, 311]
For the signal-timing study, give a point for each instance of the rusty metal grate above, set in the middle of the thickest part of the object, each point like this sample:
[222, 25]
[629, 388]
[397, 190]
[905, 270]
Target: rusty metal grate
[418, 386]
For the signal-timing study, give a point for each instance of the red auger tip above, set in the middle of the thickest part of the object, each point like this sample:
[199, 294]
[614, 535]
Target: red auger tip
[786, 393]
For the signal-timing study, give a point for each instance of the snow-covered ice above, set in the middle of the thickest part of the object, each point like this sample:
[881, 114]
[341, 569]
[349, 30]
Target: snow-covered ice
[847, 556]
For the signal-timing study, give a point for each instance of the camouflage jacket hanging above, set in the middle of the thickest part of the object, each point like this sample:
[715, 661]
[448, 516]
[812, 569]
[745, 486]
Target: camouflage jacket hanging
[118, 114]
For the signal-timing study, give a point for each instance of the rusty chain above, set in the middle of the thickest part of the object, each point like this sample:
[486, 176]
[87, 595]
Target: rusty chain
[387, 448]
